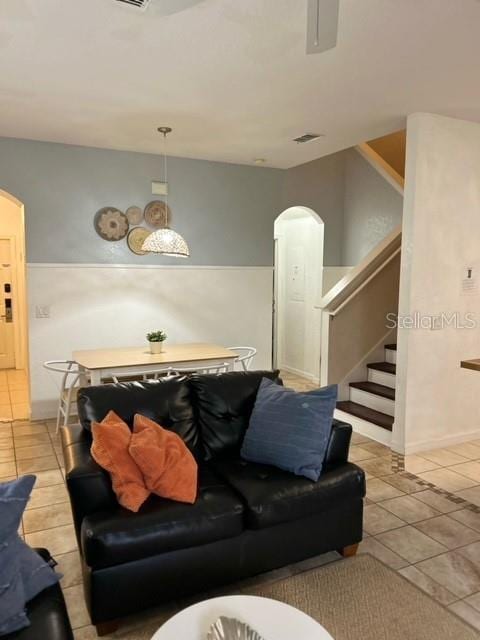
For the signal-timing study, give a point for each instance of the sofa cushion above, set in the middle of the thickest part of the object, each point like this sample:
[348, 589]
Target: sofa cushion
[23, 573]
[273, 496]
[168, 466]
[290, 429]
[161, 525]
[110, 449]
[224, 404]
[47, 614]
[165, 401]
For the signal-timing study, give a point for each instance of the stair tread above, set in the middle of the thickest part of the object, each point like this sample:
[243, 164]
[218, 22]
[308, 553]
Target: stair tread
[386, 367]
[392, 346]
[365, 413]
[376, 389]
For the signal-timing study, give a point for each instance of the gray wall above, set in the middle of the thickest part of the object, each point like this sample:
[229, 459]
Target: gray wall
[225, 211]
[359, 208]
[320, 185]
[372, 208]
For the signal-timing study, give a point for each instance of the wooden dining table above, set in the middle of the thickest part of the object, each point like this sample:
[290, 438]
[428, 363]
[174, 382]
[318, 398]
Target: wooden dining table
[98, 364]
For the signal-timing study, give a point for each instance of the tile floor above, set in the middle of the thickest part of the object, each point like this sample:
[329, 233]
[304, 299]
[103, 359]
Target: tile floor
[422, 516]
[14, 403]
[425, 526]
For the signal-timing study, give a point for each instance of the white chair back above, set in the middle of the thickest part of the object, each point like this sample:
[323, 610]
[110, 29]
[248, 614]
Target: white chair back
[217, 368]
[245, 356]
[69, 369]
[70, 375]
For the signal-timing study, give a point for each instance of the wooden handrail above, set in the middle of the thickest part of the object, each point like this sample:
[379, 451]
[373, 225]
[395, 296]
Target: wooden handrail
[379, 164]
[349, 286]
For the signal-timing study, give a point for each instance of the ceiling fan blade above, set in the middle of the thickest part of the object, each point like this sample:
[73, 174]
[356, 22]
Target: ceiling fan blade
[322, 25]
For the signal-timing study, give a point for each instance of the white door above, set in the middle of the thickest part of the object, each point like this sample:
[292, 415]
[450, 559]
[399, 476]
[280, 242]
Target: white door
[7, 314]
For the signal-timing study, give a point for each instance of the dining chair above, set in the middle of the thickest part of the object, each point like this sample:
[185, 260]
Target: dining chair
[245, 356]
[155, 374]
[217, 368]
[68, 387]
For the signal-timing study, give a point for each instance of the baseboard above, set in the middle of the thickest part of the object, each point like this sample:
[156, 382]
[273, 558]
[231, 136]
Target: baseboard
[440, 443]
[299, 372]
[365, 428]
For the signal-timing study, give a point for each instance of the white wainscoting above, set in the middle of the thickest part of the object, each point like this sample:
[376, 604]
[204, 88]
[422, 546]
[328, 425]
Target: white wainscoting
[93, 306]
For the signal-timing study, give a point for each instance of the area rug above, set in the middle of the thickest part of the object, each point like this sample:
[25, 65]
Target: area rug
[354, 599]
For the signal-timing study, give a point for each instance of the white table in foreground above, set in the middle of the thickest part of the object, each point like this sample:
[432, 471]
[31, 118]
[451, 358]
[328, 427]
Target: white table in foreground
[103, 363]
[273, 620]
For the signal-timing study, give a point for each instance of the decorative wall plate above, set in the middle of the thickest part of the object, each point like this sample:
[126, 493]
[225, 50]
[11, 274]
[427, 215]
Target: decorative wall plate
[157, 214]
[111, 224]
[134, 215]
[136, 238]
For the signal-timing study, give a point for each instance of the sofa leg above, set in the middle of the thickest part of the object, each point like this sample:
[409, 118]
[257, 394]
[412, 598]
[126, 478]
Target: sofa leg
[104, 628]
[348, 552]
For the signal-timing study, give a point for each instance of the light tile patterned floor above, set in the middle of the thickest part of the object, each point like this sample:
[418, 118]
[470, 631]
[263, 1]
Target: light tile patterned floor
[426, 527]
[423, 521]
[14, 403]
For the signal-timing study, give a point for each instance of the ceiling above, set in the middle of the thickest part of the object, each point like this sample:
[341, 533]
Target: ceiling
[231, 76]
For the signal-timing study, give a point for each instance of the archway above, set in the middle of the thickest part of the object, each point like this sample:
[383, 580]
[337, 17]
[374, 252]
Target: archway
[14, 378]
[298, 269]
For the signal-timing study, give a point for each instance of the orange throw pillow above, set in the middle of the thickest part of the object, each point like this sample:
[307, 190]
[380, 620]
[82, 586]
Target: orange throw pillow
[111, 441]
[169, 469]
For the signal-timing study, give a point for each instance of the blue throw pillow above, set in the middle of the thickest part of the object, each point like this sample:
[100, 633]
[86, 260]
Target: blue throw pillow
[23, 572]
[290, 430]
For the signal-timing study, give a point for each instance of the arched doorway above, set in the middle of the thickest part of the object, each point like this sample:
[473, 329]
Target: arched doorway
[299, 239]
[14, 378]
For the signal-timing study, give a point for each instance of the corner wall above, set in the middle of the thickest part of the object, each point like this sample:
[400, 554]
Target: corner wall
[372, 208]
[320, 185]
[358, 206]
[437, 402]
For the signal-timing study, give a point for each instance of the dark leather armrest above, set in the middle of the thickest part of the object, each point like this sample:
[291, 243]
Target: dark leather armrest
[89, 486]
[339, 444]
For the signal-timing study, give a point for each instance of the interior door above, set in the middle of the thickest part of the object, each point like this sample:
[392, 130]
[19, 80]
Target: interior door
[7, 329]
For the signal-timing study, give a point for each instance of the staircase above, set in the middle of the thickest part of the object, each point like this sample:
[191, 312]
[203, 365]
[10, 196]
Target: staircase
[373, 401]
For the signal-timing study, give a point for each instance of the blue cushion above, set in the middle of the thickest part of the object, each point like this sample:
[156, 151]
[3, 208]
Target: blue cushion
[23, 572]
[290, 430]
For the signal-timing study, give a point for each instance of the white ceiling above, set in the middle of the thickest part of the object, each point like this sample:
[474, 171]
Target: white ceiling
[231, 76]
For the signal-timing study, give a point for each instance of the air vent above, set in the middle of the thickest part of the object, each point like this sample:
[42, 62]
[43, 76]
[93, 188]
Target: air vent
[308, 137]
[139, 4]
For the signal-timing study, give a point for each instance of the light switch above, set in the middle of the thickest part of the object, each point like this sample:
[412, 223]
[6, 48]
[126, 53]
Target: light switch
[42, 311]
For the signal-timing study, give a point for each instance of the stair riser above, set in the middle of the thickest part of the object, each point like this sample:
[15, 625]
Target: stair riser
[365, 428]
[391, 356]
[372, 401]
[380, 377]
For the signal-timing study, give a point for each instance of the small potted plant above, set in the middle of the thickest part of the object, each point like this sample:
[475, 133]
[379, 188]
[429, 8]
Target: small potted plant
[156, 340]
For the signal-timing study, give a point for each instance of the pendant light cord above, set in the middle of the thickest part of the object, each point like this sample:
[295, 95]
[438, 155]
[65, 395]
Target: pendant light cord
[165, 170]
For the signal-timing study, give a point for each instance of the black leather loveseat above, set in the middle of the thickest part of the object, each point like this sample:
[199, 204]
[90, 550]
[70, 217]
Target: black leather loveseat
[247, 519]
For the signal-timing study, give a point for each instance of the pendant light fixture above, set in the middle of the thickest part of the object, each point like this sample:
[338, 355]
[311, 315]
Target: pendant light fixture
[166, 241]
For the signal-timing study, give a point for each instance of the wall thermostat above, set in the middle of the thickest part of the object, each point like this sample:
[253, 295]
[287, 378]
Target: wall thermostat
[159, 188]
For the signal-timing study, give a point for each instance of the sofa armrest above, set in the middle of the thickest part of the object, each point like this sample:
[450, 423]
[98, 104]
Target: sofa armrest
[89, 486]
[339, 444]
